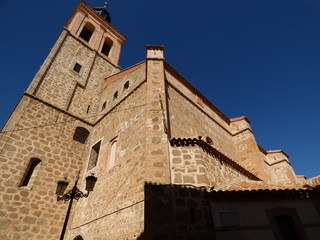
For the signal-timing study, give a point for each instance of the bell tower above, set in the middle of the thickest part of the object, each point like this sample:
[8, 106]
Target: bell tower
[86, 52]
[93, 28]
[47, 136]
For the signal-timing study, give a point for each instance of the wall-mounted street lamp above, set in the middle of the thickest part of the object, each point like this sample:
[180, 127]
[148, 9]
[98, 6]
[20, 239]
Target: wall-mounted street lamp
[74, 193]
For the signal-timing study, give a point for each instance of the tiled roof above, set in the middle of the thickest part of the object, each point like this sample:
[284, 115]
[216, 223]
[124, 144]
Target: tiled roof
[258, 190]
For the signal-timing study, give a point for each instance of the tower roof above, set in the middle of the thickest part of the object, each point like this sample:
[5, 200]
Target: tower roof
[102, 11]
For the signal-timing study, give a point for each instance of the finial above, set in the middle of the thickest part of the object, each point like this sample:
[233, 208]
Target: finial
[106, 4]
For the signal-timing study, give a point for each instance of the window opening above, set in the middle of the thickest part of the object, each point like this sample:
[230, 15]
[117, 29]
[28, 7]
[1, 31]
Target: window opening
[126, 85]
[77, 67]
[34, 162]
[112, 157]
[80, 135]
[78, 238]
[107, 45]
[88, 108]
[286, 227]
[86, 33]
[106, 49]
[103, 106]
[94, 155]
[115, 95]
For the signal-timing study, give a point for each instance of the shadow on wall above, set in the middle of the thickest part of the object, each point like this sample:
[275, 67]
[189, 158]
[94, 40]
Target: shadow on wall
[177, 212]
[174, 212]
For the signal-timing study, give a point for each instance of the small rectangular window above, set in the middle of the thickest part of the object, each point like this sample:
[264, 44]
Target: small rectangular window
[77, 67]
[94, 155]
[115, 95]
[103, 106]
[126, 85]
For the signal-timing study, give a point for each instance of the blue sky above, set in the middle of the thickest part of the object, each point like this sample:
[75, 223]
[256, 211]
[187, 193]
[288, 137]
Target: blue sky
[254, 58]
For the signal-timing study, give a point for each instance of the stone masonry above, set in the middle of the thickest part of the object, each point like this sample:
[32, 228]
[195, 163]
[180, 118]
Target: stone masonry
[147, 126]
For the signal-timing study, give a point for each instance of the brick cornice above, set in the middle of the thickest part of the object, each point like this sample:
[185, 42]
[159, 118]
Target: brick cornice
[278, 151]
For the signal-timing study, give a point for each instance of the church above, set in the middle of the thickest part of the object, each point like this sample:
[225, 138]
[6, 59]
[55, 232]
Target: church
[166, 162]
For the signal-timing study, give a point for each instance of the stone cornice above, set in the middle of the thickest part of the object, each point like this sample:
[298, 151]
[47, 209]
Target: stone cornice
[241, 131]
[280, 161]
[239, 119]
[278, 151]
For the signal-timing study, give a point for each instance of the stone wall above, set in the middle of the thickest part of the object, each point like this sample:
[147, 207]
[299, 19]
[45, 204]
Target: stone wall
[116, 83]
[187, 119]
[45, 133]
[67, 89]
[117, 203]
[191, 165]
[177, 213]
[157, 152]
[247, 150]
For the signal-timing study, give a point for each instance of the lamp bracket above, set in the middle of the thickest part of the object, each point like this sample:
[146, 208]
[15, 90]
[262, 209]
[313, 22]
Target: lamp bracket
[73, 193]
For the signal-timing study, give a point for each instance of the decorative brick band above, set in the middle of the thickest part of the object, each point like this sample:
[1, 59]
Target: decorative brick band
[181, 142]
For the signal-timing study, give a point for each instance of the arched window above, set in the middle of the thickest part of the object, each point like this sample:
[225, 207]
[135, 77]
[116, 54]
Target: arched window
[29, 173]
[80, 135]
[113, 151]
[78, 238]
[106, 46]
[87, 32]
[126, 85]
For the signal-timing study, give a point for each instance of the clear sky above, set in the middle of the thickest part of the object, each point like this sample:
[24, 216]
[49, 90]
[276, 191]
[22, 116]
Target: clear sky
[253, 58]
